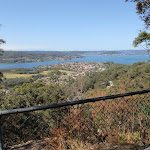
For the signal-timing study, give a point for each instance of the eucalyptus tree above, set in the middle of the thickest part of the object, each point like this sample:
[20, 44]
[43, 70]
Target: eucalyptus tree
[143, 10]
[1, 42]
[1, 51]
[143, 39]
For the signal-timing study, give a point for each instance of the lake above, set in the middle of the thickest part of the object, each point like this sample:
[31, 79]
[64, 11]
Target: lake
[121, 59]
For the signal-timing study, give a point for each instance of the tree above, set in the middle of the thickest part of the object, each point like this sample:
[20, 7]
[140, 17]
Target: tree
[143, 39]
[1, 50]
[143, 9]
[1, 42]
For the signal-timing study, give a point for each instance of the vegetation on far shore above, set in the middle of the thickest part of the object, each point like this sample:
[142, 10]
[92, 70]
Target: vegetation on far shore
[35, 56]
[39, 56]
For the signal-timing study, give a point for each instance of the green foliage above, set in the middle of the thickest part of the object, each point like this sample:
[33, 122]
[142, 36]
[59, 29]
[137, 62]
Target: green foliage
[134, 76]
[142, 37]
[143, 10]
[32, 94]
[36, 77]
[1, 42]
[1, 50]
[9, 83]
[37, 56]
[26, 95]
[54, 72]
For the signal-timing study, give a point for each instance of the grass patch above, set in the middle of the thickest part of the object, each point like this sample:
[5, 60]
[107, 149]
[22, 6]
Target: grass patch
[46, 72]
[13, 75]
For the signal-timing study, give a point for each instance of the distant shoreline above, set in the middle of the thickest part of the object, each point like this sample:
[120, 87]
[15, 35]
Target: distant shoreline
[28, 57]
[41, 56]
[120, 59]
[2, 62]
[112, 54]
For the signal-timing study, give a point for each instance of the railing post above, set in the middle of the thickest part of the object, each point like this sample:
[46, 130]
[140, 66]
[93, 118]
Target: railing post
[1, 134]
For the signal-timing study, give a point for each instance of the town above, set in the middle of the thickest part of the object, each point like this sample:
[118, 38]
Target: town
[64, 72]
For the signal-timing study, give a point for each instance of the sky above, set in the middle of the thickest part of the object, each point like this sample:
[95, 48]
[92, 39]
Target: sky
[63, 25]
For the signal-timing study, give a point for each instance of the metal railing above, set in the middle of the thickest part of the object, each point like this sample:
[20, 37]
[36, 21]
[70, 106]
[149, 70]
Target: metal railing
[111, 122]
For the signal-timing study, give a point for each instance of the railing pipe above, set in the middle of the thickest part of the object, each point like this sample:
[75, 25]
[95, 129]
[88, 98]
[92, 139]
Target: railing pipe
[70, 103]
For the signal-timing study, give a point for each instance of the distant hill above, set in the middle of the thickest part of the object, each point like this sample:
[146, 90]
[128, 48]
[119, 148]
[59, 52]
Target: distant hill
[117, 52]
[39, 56]
[35, 56]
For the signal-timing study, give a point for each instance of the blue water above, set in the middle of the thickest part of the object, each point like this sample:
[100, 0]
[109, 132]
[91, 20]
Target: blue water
[121, 59]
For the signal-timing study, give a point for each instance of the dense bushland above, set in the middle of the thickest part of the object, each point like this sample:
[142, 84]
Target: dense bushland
[114, 121]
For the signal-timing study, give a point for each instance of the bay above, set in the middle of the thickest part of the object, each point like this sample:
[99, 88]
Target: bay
[121, 59]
